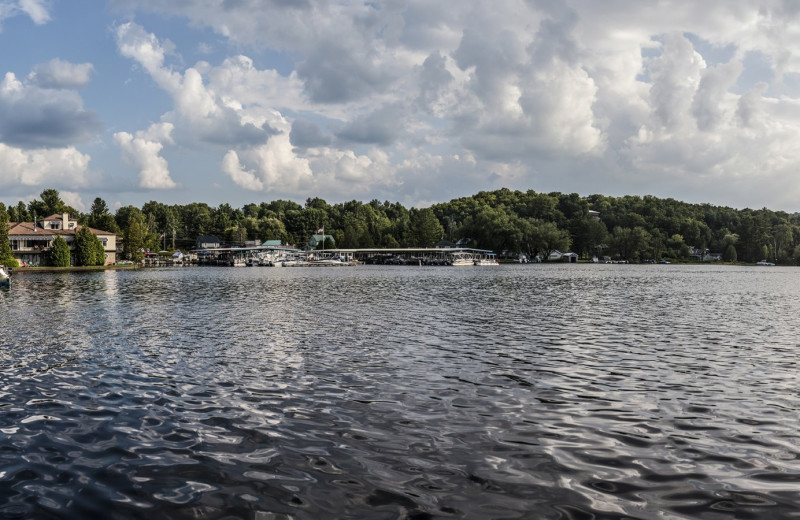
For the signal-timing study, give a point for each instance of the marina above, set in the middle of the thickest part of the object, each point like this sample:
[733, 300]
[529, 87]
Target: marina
[276, 256]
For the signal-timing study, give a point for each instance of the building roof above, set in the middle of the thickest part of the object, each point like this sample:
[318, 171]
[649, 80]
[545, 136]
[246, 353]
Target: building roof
[27, 228]
[320, 238]
[57, 216]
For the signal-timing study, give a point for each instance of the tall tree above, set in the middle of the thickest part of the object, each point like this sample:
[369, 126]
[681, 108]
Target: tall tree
[59, 255]
[6, 256]
[135, 236]
[86, 248]
[425, 228]
[99, 207]
[50, 204]
[100, 218]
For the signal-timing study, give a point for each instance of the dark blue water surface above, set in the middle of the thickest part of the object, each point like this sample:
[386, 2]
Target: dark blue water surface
[526, 391]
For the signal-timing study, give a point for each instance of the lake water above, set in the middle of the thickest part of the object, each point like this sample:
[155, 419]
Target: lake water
[524, 391]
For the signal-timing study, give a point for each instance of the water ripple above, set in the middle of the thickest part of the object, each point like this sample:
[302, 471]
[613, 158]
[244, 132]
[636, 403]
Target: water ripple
[562, 392]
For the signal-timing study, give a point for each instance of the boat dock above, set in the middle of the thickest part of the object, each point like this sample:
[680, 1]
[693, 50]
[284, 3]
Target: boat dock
[278, 256]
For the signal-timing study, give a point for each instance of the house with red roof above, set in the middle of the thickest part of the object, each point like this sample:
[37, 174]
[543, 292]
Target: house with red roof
[30, 240]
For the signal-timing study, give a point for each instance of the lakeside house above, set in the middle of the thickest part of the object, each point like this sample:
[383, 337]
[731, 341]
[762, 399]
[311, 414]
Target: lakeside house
[557, 255]
[31, 240]
[208, 242]
[318, 239]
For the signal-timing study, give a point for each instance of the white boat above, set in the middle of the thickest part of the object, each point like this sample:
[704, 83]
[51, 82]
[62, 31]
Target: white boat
[5, 276]
[764, 262]
[487, 259]
[462, 258]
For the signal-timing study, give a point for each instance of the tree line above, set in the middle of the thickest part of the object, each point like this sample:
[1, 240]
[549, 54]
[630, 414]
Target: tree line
[632, 228]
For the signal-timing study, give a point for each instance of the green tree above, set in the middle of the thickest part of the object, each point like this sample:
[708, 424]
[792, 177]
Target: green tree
[272, 228]
[135, 236]
[98, 209]
[99, 251]
[6, 256]
[196, 221]
[425, 228]
[125, 215]
[630, 244]
[87, 246]
[730, 253]
[59, 254]
[51, 204]
[546, 238]
[677, 247]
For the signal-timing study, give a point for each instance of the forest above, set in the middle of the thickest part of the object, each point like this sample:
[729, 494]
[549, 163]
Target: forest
[509, 222]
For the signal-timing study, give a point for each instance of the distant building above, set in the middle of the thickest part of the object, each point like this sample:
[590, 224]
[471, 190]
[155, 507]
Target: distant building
[30, 240]
[208, 242]
[316, 240]
[566, 257]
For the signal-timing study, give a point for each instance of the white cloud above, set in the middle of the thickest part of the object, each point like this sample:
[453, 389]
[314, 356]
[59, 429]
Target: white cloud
[247, 179]
[142, 152]
[59, 74]
[42, 167]
[72, 199]
[273, 166]
[404, 97]
[208, 113]
[32, 116]
[36, 9]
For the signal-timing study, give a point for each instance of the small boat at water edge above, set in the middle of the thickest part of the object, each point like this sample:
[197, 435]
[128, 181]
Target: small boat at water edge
[487, 259]
[5, 276]
[462, 259]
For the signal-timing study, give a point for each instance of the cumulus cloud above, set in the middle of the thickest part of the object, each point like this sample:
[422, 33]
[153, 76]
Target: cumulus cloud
[142, 151]
[36, 10]
[60, 74]
[542, 94]
[273, 166]
[33, 117]
[306, 134]
[73, 199]
[712, 100]
[48, 167]
[206, 114]
[381, 127]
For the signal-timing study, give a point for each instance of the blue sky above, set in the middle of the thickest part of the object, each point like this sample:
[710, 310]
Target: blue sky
[415, 101]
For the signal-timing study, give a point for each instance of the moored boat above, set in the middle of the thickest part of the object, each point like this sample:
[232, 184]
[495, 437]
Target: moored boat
[462, 258]
[487, 259]
[5, 275]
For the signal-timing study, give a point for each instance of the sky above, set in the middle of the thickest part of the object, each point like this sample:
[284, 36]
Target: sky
[411, 101]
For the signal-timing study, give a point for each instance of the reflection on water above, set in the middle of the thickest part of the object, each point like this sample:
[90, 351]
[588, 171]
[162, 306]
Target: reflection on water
[389, 392]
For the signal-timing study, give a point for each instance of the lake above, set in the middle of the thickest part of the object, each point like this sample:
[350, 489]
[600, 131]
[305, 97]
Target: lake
[518, 391]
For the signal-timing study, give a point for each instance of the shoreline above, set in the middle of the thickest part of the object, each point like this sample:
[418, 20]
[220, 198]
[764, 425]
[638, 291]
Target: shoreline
[20, 270]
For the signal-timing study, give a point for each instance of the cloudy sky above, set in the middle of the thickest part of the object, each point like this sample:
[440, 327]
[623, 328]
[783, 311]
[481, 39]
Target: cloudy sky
[415, 101]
